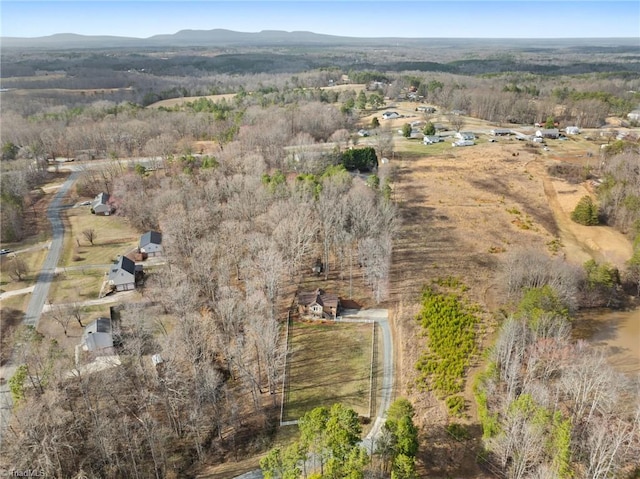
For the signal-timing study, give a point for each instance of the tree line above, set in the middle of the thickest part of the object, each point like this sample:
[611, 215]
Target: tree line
[551, 406]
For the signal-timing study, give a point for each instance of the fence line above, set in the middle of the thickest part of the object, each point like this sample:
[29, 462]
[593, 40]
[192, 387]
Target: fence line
[373, 372]
[286, 365]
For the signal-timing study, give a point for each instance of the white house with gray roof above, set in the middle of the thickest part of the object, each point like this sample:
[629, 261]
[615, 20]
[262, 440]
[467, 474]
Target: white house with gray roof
[151, 243]
[101, 206]
[97, 337]
[122, 275]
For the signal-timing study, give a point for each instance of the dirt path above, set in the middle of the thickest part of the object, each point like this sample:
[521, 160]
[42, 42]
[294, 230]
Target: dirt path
[581, 243]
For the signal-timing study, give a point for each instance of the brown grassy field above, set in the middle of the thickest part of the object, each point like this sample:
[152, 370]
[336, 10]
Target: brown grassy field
[32, 259]
[114, 236]
[172, 102]
[462, 210]
[328, 363]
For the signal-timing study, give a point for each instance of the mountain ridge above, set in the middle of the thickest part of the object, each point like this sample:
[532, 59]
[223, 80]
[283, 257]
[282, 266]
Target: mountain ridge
[220, 37]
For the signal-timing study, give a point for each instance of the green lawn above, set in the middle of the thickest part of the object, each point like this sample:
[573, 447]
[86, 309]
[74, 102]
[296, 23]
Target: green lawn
[74, 286]
[114, 236]
[416, 146]
[33, 261]
[328, 363]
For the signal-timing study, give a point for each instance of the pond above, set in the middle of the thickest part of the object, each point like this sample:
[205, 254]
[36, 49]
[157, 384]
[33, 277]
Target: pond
[618, 332]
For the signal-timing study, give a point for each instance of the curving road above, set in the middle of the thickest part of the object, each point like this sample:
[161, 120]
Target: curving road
[41, 290]
[38, 297]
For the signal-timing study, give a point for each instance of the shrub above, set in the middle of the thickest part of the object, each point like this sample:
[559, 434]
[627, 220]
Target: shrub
[363, 159]
[586, 212]
[458, 431]
[450, 326]
[456, 405]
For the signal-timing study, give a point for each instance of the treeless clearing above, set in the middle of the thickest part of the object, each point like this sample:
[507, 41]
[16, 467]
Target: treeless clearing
[114, 237]
[75, 286]
[462, 209]
[328, 363]
[173, 102]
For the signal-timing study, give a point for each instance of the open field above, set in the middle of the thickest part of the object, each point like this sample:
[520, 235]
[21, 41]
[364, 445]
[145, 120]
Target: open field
[32, 260]
[172, 102]
[462, 210]
[328, 363]
[76, 286]
[114, 237]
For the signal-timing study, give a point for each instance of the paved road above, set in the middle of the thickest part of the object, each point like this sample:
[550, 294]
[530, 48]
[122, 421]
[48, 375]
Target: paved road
[38, 297]
[380, 316]
[41, 290]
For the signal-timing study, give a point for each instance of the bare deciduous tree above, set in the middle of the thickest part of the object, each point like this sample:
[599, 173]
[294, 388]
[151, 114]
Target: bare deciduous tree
[18, 268]
[90, 235]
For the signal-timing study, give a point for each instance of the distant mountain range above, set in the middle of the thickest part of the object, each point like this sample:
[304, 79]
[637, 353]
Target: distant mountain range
[224, 38]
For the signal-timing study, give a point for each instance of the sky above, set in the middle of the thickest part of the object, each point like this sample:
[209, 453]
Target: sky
[353, 18]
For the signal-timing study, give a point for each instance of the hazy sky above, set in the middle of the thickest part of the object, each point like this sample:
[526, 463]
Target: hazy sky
[358, 18]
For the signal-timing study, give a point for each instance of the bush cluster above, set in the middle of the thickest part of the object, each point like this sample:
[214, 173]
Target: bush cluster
[450, 327]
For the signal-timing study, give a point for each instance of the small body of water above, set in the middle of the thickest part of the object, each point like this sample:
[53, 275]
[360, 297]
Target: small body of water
[617, 331]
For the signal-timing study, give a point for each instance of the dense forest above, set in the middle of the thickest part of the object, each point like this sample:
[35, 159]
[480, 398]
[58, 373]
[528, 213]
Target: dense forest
[289, 183]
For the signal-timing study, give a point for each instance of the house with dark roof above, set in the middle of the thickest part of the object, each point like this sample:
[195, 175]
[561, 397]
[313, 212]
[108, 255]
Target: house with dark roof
[151, 243]
[101, 205]
[318, 304]
[97, 337]
[466, 135]
[501, 132]
[122, 275]
[552, 133]
[388, 115]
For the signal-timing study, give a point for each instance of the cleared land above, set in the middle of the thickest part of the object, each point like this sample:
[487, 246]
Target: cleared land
[328, 363]
[462, 210]
[114, 237]
[172, 102]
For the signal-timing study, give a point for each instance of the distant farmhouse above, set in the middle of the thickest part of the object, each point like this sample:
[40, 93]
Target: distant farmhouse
[500, 132]
[318, 304]
[466, 135]
[389, 115]
[634, 115]
[431, 139]
[552, 133]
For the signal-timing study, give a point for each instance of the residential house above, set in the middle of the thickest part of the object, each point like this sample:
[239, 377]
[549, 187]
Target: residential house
[500, 132]
[151, 244]
[97, 337]
[431, 139]
[122, 275]
[318, 304]
[466, 135]
[463, 143]
[426, 109]
[375, 85]
[634, 115]
[101, 205]
[572, 130]
[552, 133]
[389, 115]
